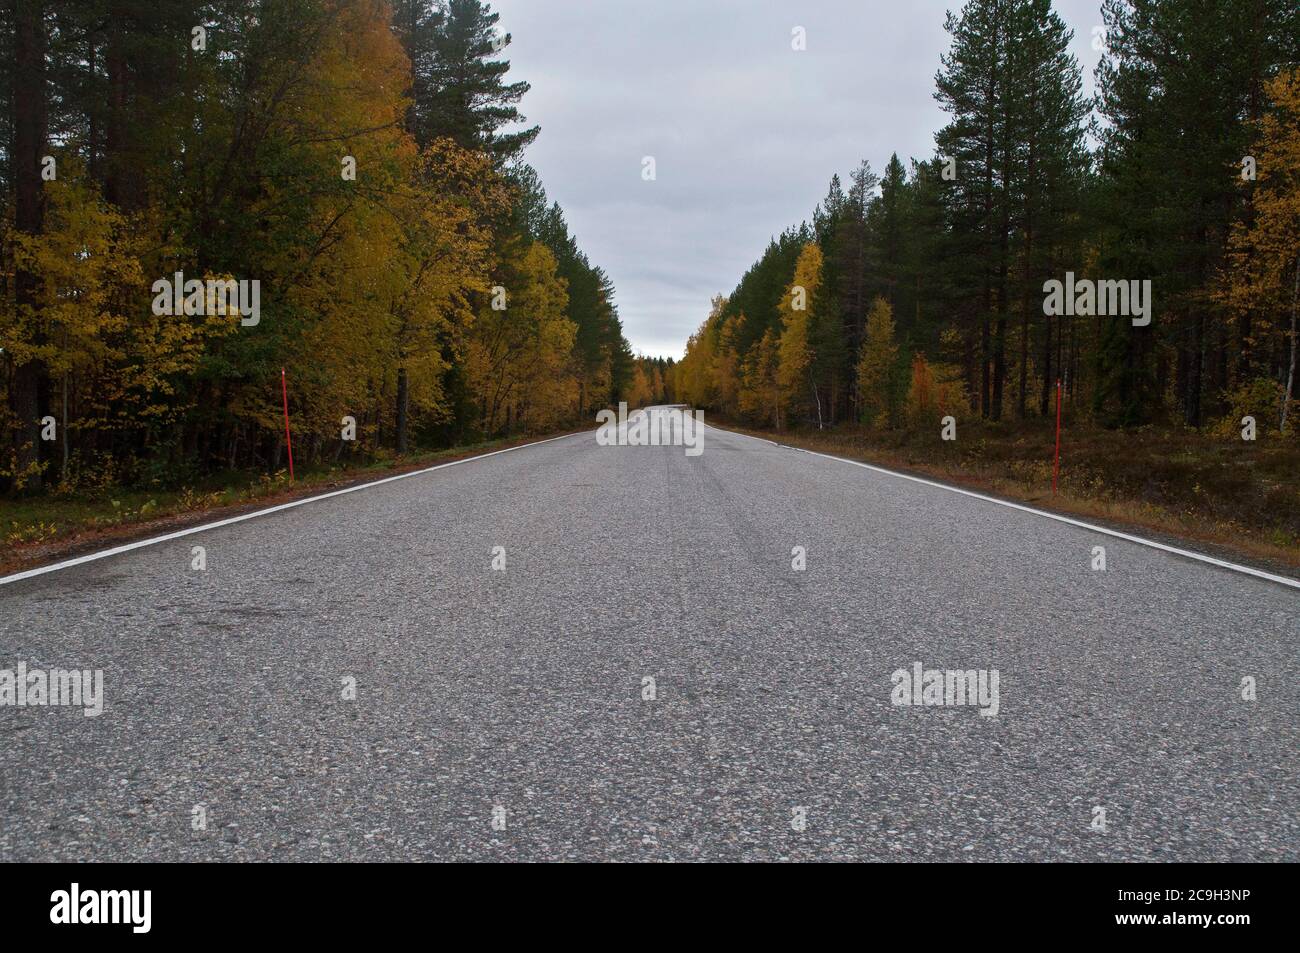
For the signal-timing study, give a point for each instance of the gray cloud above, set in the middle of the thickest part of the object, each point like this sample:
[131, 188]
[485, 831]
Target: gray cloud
[745, 131]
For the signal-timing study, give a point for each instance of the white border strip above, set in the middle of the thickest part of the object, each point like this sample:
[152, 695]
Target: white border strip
[1199, 557]
[126, 548]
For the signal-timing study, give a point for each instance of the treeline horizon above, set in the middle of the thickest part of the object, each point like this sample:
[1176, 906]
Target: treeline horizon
[923, 289]
[360, 160]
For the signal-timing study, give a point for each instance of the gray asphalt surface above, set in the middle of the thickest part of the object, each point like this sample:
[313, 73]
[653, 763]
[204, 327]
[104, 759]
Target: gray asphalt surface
[523, 688]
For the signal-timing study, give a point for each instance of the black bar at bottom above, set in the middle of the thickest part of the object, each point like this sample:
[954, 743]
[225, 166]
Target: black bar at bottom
[1210, 903]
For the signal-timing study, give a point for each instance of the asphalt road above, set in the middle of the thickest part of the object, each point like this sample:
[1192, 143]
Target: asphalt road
[523, 689]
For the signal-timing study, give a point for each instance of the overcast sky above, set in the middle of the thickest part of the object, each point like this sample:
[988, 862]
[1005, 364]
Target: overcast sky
[745, 131]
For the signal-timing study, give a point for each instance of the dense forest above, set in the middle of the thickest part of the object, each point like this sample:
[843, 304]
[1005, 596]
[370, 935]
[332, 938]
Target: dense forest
[921, 290]
[360, 160]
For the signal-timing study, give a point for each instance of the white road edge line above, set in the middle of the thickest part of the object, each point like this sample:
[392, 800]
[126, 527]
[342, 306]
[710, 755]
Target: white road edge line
[140, 544]
[1199, 557]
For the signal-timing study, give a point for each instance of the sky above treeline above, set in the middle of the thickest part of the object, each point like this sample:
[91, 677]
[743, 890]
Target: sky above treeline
[744, 130]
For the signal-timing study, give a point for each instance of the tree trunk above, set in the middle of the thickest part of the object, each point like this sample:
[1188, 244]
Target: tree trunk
[1195, 365]
[63, 429]
[1045, 396]
[1290, 375]
[403, 403]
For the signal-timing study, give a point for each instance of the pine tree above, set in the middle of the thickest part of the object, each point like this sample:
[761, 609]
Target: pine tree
[1178, 85]
[889, 214]
[971, 86]
[1047, 111]
[460, 86]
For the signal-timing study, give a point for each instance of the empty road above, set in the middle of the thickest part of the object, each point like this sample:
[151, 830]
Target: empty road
[509, 713]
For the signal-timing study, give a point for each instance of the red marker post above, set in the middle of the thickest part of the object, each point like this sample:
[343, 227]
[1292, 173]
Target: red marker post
[284, 390]
[1056, 468]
